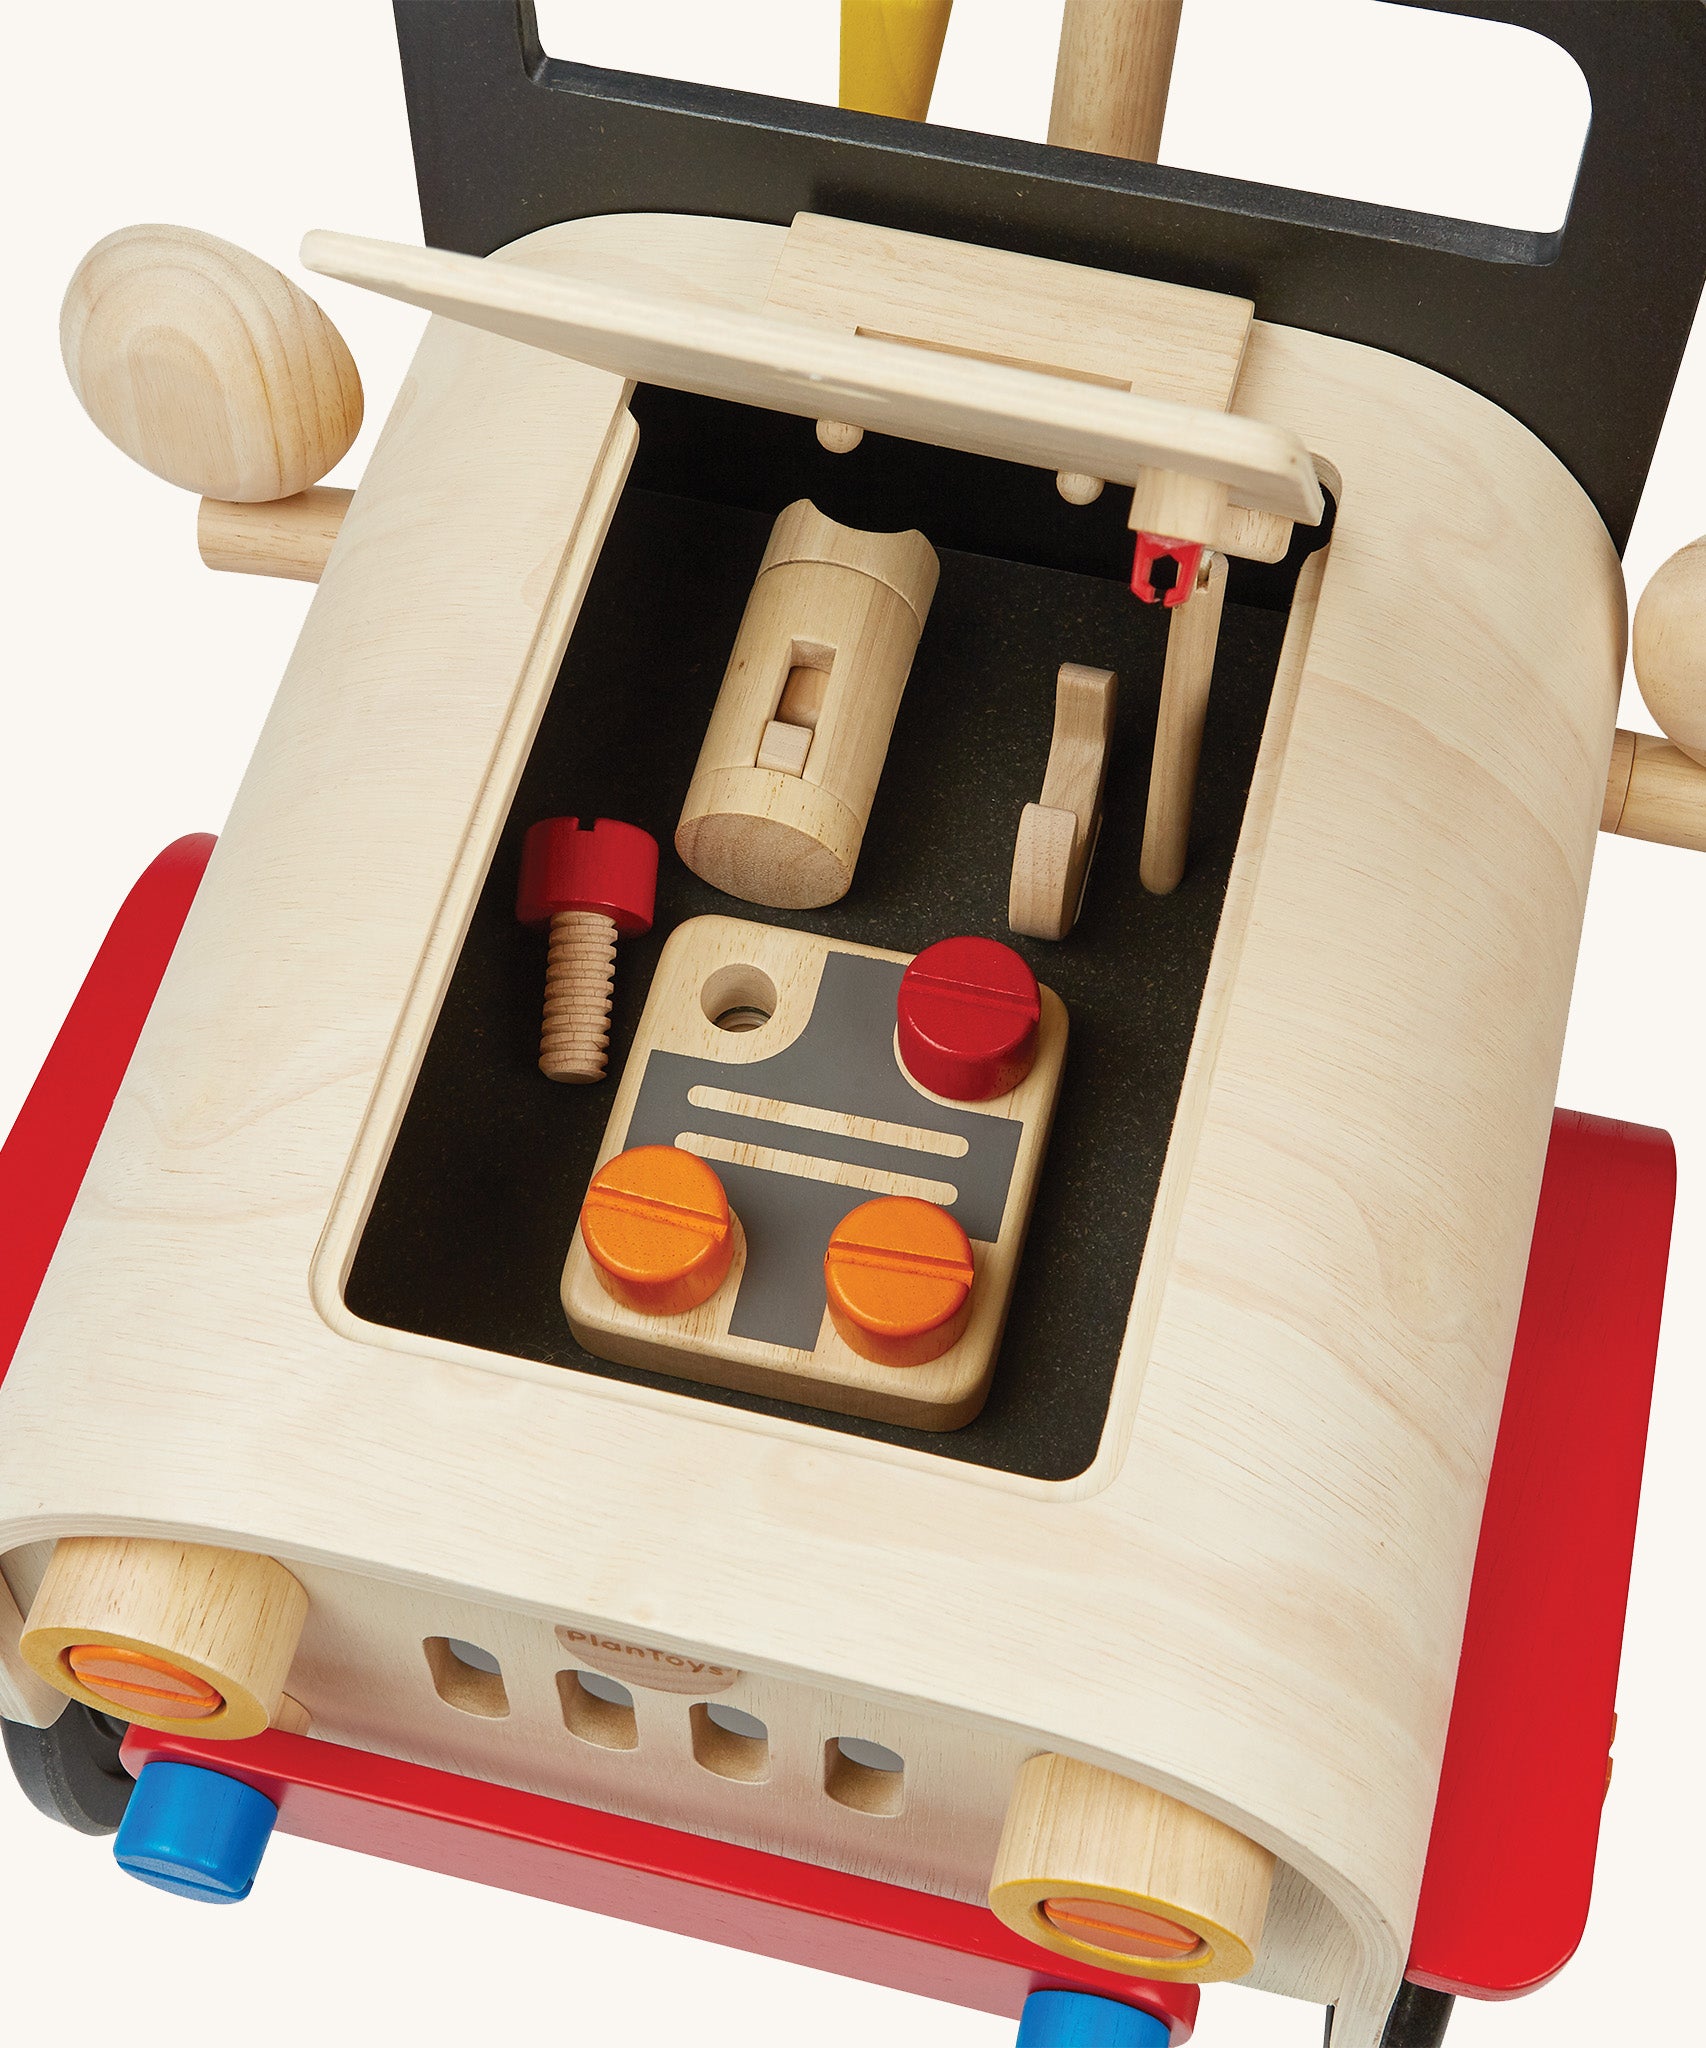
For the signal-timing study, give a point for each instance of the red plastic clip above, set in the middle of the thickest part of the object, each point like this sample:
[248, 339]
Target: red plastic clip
[1186, 555]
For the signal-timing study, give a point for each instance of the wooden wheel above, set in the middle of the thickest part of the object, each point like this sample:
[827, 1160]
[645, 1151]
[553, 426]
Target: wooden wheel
[177, 1636]
[1109, 1872]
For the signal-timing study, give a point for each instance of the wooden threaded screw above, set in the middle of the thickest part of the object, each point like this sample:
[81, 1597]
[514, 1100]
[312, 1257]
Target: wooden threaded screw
[580, 976]
[587, 888]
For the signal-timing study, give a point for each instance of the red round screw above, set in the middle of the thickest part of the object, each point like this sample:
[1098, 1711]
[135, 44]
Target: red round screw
[587, 886]
[967, 1018]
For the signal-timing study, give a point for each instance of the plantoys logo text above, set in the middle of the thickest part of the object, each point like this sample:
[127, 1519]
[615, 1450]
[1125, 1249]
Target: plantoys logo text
[643, 1664]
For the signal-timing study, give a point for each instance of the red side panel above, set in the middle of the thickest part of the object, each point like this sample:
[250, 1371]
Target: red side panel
[631, 1870]
[1510, 1862]
[43, 1161]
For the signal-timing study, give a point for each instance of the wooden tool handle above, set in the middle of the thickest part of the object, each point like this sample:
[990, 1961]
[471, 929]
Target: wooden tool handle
[1057, 836]
[1191, 642]
[889, 53]
[1111, 80]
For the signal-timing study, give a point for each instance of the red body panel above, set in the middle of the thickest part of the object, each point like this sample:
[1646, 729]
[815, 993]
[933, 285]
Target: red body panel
[632, 1870]
[44, 1159]
[1510, 1862]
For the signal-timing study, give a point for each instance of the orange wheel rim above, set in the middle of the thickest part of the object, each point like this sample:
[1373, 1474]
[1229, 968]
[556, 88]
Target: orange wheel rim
[1122, 1930]
[133, 1681]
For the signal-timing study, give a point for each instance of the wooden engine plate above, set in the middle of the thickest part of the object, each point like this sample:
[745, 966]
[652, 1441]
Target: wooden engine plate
[799, 1101]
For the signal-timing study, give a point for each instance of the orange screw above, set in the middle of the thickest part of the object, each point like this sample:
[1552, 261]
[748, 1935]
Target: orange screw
[899, 1275]
[657, 1224]
[136, 1683]
[1122, 1930]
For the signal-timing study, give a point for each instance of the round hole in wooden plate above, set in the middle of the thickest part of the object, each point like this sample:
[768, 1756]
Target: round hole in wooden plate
[739, 998]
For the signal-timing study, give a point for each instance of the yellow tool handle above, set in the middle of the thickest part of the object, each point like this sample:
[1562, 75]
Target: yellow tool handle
[889, 53]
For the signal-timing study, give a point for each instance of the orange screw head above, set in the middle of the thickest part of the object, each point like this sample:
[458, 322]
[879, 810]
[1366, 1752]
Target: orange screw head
[136, 1683]
[899, 1275]
[1122, 1930]
[658, 1226]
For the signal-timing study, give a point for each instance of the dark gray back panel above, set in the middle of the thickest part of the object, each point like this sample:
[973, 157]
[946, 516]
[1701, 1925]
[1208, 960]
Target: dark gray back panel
[1579, 334]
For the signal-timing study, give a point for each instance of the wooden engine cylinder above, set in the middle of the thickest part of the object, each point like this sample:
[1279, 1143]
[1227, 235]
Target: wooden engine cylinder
[778, 804]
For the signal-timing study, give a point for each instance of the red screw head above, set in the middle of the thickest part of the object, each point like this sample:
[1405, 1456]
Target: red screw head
[967, 1019]
[611, 868]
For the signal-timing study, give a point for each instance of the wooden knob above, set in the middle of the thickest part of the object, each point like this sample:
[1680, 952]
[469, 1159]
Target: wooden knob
[1076, 489]
[1109, 1872]
[207, 366]
[838, 437]
[179, 1636]
[1670, 649]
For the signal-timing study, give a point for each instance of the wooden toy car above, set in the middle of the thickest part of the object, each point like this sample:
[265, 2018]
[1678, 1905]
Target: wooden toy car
[1087, 1470]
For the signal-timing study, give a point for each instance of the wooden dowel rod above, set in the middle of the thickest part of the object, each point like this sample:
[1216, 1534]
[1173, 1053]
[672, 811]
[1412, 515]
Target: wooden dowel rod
[289, 537]
[1655, 791]
[1111, 80]
[1191, 641]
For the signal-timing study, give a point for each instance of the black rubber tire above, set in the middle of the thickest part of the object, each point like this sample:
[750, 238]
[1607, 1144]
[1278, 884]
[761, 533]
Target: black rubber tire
[1418, 2018]
[71, 1771]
